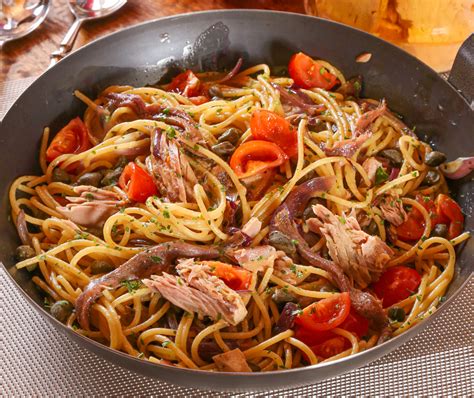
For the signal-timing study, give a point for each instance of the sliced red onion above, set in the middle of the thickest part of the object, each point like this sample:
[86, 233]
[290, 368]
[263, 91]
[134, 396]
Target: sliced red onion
[458, 168]
[232, 73]
[394, 173]
[23, 229]
[299, 100]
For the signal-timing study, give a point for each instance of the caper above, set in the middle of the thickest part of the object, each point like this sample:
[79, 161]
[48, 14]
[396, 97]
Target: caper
[393, 155]
[372, 228]
[24, 252]
[282, 242]
[215, 91]
[101, 267]
[61, 310]
[435, 158]
[431, 178]
[223, 148]
[280, 296]
[111, 177]
[440, 230]
[92, 179]
[396, 314]
[60, 175]
[231, 135]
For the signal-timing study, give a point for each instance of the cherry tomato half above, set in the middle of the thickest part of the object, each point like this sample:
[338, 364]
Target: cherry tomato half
[269, 126]
[254, 157]
[236, 278]
[396, 284]
[137, 183]
[72, 138]
[308, 73]
[189, 85]
[448, 208]
[325, 314]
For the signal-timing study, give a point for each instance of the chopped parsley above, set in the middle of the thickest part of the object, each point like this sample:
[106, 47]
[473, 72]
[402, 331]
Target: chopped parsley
[171, 133]
[131, 285]
[380, 176]
[156, 259]
[165, 343]
[342, 220]
[89, 196]
[166, 214]
[294, 242]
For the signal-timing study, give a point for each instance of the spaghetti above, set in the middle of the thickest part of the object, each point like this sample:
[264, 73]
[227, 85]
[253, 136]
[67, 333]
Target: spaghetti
[211, 195]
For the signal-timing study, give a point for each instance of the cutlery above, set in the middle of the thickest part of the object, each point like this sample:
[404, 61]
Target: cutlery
[18, 18]
[84, 10]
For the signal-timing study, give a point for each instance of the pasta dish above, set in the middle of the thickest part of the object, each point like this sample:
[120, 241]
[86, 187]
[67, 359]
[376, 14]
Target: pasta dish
[248, 221]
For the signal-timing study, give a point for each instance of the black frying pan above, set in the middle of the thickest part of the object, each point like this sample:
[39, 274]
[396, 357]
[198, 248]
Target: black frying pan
[209, 40]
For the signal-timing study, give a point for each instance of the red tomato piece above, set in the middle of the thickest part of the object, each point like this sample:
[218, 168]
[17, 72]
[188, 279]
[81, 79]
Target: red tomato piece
[356, 324]
[396, 284]
[413, 227]
[269, 126]
[72, 138]
[308, 73]
[236, 278]
[137, 183]
[189, 85]
[448, 208]
[254, 157]
[333, 346]
[325, 314]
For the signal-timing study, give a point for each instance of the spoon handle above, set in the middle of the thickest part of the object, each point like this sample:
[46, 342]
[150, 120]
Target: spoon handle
[67, 42]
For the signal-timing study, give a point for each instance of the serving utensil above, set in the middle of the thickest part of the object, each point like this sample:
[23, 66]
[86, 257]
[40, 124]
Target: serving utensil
[84, 10]
[18, 18]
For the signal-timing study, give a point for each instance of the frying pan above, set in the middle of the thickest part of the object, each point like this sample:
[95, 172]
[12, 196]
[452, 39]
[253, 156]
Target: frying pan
[210, 40]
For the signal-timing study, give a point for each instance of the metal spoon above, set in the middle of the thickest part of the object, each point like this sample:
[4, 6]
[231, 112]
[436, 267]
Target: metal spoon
[84, 10]
[18, 18]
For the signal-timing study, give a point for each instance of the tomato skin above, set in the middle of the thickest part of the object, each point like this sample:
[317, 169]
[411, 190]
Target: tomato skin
[72, 138]
[412, 229]
[268, 126]
[333, 346]
[308, 73]
[325, 314]
[448, 208]
[236, 278]
[326, 343]
[396, 284]
[189, 85]
[443, 210]
[356, 324]
[254, 157]
[137, 183]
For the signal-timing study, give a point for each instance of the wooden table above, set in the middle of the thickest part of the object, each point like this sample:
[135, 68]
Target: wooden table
[29, 56]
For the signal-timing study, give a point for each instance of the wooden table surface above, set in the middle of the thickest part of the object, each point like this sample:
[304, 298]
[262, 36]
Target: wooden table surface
[29, 56]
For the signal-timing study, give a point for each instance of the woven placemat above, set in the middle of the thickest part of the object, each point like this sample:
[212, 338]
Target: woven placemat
[37, 360]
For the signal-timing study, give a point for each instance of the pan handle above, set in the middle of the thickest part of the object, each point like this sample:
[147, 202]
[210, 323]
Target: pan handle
[462, 73]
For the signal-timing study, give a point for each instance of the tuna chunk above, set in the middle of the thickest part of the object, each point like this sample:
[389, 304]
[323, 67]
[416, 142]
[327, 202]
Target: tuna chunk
[232, 361]
[196, 289]
[362, 257]
[260, 258]
[392, 210]
[170, 167]
[92, 207]
[370, 166]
